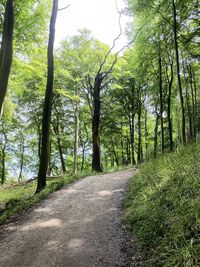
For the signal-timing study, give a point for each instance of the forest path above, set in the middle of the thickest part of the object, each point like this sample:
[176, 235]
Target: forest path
[79, 225]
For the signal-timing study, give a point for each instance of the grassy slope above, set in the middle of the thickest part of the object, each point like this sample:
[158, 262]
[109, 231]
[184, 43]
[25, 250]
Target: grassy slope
[23, 197]
[163, 209]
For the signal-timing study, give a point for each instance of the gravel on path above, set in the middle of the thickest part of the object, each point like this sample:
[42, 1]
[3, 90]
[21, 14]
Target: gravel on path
[77, 226]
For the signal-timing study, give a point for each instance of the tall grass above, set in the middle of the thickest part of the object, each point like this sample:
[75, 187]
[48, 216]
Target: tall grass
[163, 209]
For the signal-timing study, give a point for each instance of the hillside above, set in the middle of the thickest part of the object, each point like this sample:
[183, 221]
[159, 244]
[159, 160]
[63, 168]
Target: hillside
[163, 208]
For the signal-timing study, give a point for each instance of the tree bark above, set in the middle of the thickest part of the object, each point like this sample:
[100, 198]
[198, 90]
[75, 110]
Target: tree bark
[122, 146]
[161, 101]
[47, 103]
[22, 157]
[139, 154]
[156, 134]
[6, 51]
[57, 132]
[189, 111]
[76, 139]
[170, 82]
[183, 137]
[146, 136]
[96, 156]
[133, 124]
[3, 159]
[193, 100]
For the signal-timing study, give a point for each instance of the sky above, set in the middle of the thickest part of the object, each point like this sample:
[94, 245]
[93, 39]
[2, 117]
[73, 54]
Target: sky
[99, 16]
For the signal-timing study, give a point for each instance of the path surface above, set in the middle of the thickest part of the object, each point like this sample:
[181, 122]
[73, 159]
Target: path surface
[78, 226]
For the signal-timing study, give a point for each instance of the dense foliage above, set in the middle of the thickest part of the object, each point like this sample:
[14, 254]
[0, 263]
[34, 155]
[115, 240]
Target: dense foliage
[149, 97]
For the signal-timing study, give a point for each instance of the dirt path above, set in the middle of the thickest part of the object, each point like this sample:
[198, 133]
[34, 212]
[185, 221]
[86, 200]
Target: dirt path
[80, 225]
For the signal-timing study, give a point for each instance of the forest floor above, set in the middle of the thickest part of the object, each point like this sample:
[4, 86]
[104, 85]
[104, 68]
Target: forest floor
[79, 225]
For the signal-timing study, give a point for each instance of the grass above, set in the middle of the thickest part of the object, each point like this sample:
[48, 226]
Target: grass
[14, 200]
[163, 209]
[22, 197]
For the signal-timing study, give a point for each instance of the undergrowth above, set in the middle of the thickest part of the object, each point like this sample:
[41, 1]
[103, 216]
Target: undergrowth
[23, 197]
[163, 209]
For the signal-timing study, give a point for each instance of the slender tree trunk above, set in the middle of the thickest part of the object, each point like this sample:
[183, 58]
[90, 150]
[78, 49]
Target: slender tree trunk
[133, 124]
[3, 163]
[6, 51]
[114, 152]
[128, 151]
[83, 158]
[83, 145]
[146, 136]
[190, 132]
[193, 101]
[22, 158]
[47, 104]
[49, 168]
[62, 161]
[139, 154]
[3, 159]
[39, 142]
[170, 82]
[76, 139]
[183, 137]
[156, 134]
[57, 132]
[161, 101]
[96, 156]
[122, 146]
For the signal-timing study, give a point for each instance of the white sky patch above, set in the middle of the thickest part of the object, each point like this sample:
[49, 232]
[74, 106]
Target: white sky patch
[99, 16]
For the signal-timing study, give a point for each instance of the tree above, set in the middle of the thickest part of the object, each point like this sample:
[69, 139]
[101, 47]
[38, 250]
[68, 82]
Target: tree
[6, 51]
[46, 120]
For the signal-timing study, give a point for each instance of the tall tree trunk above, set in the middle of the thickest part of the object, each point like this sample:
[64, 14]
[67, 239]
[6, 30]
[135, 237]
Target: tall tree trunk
[139, 154]
[76, 139]
[96, 156]
[47, 103]
[114, 152]
[57, 132]
[128, 153]
[3, 163]
[62, 161]
[3, 159]
[161, 101]
[133, 124]
[122, 146]
[83, 145]
[83, 158]
[146, 136]
[193, 100]
[183, 137]
[170, 82]
[156, 134]
[6, 51]
[49, 168]
[112, 162]
[190, 132]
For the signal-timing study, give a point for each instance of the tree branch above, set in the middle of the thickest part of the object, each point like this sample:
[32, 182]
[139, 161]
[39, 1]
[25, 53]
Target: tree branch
[121, 50]
[115, 40]
[63, 8]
